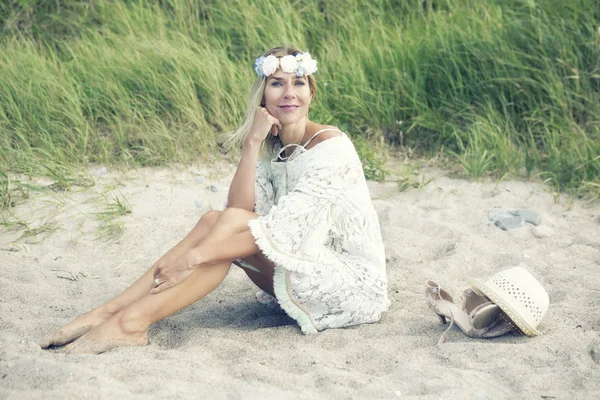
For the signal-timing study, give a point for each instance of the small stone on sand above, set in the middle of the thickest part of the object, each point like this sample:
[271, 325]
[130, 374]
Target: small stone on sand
[542, 231]
[213, 188]
[594, 350]
[198, 203]
[511, 220]
[530, 216]
[100, 171]
[498, 213]
[510, 223]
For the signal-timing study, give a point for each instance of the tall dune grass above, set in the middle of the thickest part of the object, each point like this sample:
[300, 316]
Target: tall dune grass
[506, 86]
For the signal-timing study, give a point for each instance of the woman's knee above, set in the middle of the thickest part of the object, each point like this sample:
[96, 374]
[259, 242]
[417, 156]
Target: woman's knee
[210, 218]
[238, 214]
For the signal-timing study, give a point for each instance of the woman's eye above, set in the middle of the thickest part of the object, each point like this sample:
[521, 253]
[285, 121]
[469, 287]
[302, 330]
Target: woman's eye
[275, 83]
[300, 83]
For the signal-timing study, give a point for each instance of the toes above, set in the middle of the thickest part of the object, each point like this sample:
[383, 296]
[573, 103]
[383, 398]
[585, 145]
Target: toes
[60, 337]
[52, 339]
[75, 347]
[46, 342]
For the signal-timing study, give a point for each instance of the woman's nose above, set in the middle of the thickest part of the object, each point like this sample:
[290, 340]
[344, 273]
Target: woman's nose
[289, 92]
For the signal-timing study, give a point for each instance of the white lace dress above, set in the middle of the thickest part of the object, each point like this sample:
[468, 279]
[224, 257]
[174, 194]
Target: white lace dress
[318, 226]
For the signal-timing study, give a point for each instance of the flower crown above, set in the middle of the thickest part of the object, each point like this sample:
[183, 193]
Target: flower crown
[300, 64]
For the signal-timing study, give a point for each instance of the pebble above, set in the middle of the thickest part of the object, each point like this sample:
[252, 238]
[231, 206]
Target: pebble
[542, 231]
[530, 216]
[100, 171]
[498, 213]
[198, 203]
[490, 193]
[11, 249]
[213, 188]
[510, 223]
[199, 179]
[594, 350]
[511, 220]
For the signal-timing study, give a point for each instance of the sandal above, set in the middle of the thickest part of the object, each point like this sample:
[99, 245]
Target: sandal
[478, 317]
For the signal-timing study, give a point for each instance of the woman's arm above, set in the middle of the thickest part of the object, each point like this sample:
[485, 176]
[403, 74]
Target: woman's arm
[169, 274]
[241, 191]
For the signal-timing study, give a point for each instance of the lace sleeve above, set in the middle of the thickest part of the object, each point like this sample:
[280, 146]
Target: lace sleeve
[263, 189]
[295, 230]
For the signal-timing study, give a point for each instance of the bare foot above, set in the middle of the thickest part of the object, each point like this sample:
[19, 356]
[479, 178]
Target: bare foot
[109, 335]
[75, 329]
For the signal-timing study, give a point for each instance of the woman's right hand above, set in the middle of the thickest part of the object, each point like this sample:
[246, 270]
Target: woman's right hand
[168, 257]
[264, 123]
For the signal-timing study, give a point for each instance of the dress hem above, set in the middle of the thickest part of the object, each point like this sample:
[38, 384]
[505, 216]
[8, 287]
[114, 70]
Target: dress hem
[285, 300]
[280, 282]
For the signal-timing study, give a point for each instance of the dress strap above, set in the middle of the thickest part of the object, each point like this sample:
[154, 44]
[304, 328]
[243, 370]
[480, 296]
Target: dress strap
[315, 135]
[303, 146]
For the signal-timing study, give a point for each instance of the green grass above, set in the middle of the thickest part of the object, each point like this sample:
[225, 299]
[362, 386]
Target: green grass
[505, 86]
[111, 227]
[410, 180]
[29, 234]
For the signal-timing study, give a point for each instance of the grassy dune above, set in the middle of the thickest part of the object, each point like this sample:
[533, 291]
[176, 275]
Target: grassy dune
[503, 86]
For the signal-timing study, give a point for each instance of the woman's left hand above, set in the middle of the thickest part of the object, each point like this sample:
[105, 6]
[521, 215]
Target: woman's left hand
[171, 272]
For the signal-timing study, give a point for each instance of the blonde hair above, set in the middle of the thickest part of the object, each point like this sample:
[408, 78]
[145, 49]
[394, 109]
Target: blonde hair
[237, 138]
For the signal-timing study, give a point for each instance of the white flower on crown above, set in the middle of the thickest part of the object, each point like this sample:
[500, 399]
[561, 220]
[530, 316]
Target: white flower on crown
[288, 64]
[270, 65]
[306, 64]
[301, 64]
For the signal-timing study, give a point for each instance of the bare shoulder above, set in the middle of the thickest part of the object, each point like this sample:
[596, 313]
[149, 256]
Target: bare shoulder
[329, 132]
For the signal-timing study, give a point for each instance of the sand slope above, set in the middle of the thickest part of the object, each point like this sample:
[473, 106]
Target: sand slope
[228, 346]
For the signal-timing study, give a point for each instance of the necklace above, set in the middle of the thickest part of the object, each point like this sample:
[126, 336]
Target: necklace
[287, 158]
[287, 146]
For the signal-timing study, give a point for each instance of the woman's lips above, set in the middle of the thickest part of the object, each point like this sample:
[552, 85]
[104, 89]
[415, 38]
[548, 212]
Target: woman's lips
[288, 108]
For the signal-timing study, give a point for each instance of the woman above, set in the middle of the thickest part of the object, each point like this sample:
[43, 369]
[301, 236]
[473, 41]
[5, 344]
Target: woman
[299, 222]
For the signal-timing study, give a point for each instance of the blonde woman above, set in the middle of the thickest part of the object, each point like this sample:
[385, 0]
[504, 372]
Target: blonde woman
[299, 221]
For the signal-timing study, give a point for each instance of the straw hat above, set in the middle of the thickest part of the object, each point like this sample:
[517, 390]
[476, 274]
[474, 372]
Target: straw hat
[519, 295]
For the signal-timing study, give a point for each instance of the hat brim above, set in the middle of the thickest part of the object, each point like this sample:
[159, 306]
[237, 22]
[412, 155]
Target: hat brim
[510, 312]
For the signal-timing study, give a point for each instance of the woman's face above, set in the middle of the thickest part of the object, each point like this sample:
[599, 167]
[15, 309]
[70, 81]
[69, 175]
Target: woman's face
[287, 97]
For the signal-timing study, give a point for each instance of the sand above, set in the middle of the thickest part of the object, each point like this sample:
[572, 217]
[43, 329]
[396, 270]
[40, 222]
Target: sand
[229, 346]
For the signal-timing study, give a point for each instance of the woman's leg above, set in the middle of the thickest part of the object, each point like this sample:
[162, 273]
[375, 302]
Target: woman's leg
[264, 278]
[137, 290]
[130, 325]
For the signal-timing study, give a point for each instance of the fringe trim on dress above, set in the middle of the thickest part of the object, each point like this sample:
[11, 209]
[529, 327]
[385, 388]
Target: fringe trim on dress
[279, 258]
[280, 280]
[280, 287]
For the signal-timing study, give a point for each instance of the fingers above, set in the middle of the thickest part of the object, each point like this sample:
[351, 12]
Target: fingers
[274, 130]
[275, 127]
[165, 278]
[160, 285]
[160, 282]
[269, 122]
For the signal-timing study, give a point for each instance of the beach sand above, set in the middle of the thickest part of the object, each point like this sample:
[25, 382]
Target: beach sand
[229, 346]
